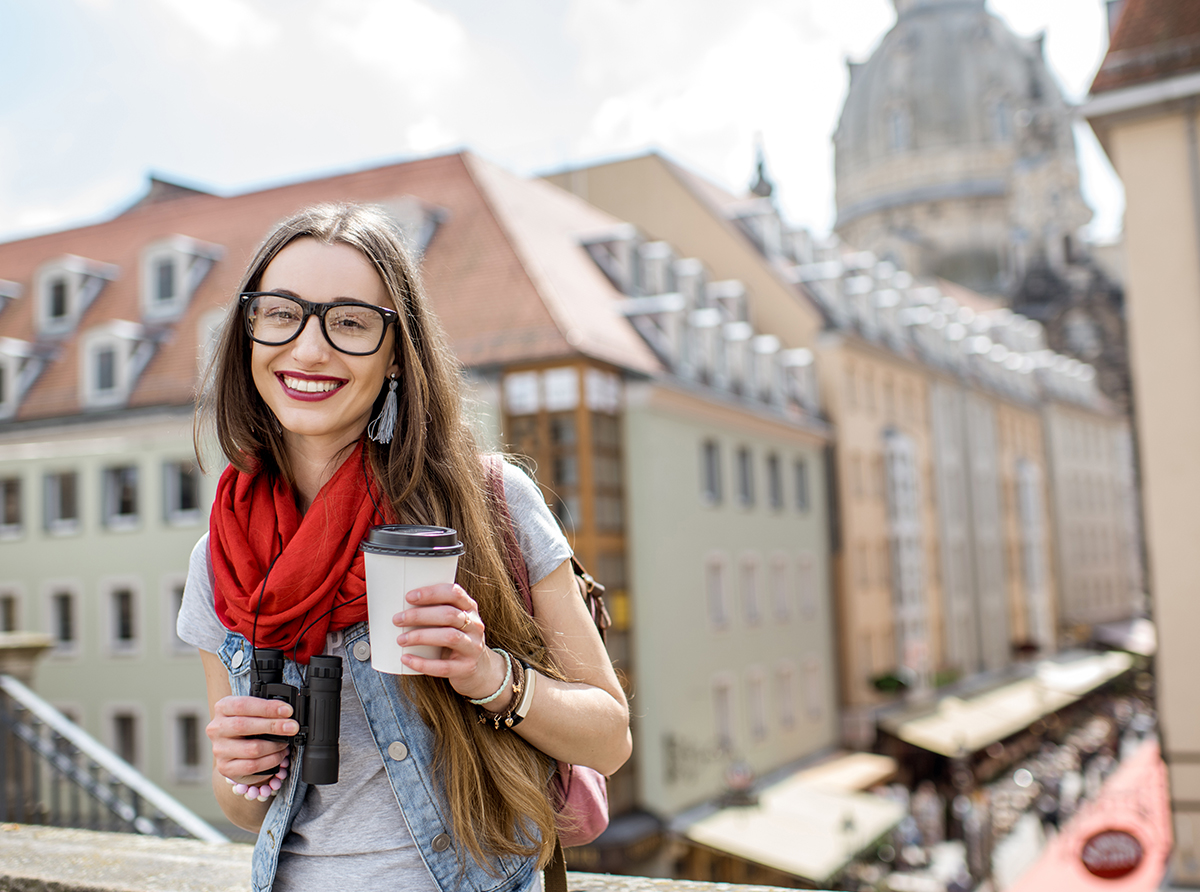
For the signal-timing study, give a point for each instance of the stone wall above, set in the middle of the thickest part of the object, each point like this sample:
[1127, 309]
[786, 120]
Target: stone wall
[51, 859]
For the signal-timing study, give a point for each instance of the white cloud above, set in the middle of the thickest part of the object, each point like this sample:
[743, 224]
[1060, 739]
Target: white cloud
[428, 135]
[226, 24]
[419, 47]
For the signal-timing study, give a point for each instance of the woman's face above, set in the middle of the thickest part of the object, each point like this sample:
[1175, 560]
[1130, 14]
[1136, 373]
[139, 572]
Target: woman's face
[321, 396]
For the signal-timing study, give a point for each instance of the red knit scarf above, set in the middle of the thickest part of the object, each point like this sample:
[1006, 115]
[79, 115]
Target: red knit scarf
[316, 582]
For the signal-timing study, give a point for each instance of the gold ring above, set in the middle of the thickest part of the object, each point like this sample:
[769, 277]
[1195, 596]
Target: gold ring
[466, 622]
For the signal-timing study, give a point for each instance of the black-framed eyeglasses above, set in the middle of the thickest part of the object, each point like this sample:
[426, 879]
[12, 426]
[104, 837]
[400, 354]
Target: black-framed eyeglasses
[275, 319]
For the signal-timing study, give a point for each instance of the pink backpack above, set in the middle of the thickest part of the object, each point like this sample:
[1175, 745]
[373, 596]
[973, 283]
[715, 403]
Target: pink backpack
[580, 793]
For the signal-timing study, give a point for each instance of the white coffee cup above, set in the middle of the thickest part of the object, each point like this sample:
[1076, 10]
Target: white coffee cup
[400, 558]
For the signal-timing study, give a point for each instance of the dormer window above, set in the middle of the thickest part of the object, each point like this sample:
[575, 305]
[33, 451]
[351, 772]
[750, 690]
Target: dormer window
[65, 288]
[417, 221]
[18, 367]
[171, 272]
[110, 360]
[9, 291]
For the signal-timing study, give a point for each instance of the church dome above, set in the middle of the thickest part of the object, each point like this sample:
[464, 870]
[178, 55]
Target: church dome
[950, 104]
[947, 76]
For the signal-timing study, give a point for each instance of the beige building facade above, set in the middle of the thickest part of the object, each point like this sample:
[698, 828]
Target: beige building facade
[944, 519]
[1144, 107]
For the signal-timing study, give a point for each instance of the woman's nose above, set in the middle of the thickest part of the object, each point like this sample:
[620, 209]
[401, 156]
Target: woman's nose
[310, 343]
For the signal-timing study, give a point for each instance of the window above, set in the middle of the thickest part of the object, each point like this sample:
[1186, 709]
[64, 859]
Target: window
[164, 280]
[711, 464]
[10, 507]
[110, 358]
[757, 700]
[64, 288]
[714, 585]
[800, 467]
[123, 734]
[779, 589]
[745, 467]
[62, 502]
[171, 270]
[750, 596]
[62, 618]
[814, 688]
[181, 492]
[123, 620]
[723, 713]
[57, 307]
[105, 373]
[806, 585]
[774, 482]
[121, 497]
[187, 754]
[899, 130]
[786, 695]
[10, 611]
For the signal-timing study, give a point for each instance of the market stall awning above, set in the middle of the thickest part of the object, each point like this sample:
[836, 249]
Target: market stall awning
[961, 726]
[810, 830]
[1137, 636]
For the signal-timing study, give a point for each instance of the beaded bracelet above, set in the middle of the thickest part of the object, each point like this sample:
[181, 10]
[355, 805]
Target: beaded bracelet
[508, 673]
[522, 688]
[264, 791]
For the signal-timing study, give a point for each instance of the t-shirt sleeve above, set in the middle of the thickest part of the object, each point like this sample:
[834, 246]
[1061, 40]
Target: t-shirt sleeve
[542, 541]
[197, 623]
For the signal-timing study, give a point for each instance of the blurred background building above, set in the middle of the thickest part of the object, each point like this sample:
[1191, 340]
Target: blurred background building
[1143, 106]
[955, 159]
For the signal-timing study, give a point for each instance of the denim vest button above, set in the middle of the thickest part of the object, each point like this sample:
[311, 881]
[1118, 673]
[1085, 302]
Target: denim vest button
[236, 660]
[399, 752]
[441, 842]
[362, 651]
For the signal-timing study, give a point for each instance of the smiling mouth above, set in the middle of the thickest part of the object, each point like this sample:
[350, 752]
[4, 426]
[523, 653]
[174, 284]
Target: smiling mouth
[308, 385]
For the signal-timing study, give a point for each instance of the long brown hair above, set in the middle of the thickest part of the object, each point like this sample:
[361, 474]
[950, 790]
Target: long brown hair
[431, 473]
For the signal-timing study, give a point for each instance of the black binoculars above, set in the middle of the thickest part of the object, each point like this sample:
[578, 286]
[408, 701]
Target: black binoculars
[317, 708]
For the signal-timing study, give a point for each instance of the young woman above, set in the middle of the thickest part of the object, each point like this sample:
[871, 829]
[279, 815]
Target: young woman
[337, 405]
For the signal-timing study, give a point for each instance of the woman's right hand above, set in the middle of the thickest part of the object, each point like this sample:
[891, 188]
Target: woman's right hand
[238, 754]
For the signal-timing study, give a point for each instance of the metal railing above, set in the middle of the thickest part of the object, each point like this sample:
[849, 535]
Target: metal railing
[54, 772]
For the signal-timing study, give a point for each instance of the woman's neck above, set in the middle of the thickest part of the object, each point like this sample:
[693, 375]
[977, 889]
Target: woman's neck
[313, 464]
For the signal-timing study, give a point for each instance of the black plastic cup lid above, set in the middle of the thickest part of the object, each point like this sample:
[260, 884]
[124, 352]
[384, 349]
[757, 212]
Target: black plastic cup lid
[406, 540]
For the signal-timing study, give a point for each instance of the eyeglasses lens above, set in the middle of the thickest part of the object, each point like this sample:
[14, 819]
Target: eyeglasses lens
[276, 319]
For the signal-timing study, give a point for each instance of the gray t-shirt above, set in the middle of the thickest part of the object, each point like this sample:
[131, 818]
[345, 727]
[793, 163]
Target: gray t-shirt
[351, 834]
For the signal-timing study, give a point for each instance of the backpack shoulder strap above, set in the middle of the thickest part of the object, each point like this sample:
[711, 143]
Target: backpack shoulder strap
[515, 561]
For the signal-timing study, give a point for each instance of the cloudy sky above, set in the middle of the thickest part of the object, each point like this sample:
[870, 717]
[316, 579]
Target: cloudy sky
[231, 95]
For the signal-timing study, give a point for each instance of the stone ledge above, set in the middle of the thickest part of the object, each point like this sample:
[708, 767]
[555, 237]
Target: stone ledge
[53, 859]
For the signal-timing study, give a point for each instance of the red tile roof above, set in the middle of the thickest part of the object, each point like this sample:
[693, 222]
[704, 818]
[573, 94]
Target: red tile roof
[505, 272]
[1153, 40]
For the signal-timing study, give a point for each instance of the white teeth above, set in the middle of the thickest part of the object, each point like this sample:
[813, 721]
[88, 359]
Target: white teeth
[305, 386]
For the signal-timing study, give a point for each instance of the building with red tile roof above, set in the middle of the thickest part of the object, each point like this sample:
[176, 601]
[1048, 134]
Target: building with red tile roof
[679, 459]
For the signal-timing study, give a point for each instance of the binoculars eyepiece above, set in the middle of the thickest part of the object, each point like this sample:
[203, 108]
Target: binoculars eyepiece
[317, 708]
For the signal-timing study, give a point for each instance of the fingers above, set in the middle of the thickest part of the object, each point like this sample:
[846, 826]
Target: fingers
[234, 730]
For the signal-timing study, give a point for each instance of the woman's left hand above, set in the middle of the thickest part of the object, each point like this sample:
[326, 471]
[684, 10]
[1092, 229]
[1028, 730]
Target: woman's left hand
[446, 616]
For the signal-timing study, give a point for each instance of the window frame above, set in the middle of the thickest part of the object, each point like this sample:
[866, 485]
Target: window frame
[15, 530]
[112, 644]
[173, 514]
[111, 488]
[73, 591]
[711, 489]
[55, 523]
[114, 709]
[178, 771]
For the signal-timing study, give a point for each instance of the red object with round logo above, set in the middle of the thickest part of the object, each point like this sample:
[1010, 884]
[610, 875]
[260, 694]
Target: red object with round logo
[1112, 854]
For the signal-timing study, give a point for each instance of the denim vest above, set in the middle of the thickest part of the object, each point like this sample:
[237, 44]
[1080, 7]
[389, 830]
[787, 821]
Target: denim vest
[406, 746]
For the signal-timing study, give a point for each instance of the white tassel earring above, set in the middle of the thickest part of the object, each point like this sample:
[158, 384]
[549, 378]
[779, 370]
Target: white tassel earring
[382, 428]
